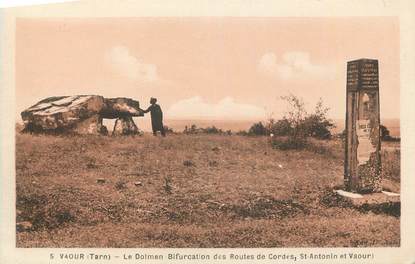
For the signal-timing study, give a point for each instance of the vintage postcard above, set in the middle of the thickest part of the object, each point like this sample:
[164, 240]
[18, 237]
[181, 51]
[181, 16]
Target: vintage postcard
[208, 132]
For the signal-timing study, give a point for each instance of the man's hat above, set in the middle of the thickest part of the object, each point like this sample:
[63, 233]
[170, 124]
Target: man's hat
[152, 99]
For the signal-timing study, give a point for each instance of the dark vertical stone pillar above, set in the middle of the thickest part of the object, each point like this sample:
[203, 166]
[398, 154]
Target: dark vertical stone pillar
[362, 167]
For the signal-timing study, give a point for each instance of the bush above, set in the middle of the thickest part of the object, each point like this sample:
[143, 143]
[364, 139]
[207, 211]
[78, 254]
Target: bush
[317, 124]
[257, 129]
[280, 128]
[385, 134]
[298, 125]
[317, 128]
[211, 130]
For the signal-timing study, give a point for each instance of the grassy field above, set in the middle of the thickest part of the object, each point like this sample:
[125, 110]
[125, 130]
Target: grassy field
[192, 191]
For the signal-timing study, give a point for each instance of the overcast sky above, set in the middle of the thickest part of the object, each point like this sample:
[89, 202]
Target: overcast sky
[221, 68]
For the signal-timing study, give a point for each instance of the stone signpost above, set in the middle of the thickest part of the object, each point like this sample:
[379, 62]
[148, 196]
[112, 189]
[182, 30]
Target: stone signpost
[362, 167]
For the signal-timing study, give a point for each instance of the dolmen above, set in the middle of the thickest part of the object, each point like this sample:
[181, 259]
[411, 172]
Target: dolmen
[81, 114]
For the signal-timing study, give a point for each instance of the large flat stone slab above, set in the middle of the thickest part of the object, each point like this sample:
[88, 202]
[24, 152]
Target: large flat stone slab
[62, 113]
[81, 114]
[377, 198]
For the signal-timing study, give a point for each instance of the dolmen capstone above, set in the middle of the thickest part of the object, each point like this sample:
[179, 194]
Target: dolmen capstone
[81, 114]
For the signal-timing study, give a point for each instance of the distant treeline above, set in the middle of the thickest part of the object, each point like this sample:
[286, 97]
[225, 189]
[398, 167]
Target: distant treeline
[193, 129]
[297, 125]
[317, 129]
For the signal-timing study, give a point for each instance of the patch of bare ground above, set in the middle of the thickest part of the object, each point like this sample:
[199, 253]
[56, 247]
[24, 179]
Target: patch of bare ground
[190, 191]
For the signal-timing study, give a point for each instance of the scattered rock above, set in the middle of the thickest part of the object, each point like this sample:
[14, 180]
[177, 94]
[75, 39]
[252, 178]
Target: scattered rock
[144, 211]
[119, 107]
[213, 163]
[138, 183]
[100, 180]
[188, 163]
[348, 194]
[18, 212]
[24, 226]
[216, 148]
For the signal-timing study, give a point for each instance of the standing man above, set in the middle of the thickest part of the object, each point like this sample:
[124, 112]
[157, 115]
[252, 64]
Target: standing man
[156, 117]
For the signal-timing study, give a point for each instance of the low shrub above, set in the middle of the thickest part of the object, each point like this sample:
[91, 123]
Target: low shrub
[286, 143]
[211, 130]
[168, 130]
[281, 127]
[242, 133]
[258, 129]
[193, 129]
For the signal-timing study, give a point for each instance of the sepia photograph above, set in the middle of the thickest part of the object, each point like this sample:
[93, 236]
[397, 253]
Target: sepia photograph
[207, 132]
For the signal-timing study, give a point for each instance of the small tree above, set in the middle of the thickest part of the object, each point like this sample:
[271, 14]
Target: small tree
[280, 128]
[297, 124]
[317, 124]
[295, 117]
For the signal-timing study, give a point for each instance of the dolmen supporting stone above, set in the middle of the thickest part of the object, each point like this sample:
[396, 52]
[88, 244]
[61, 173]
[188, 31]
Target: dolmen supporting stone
[81, 114]
[125, 126]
